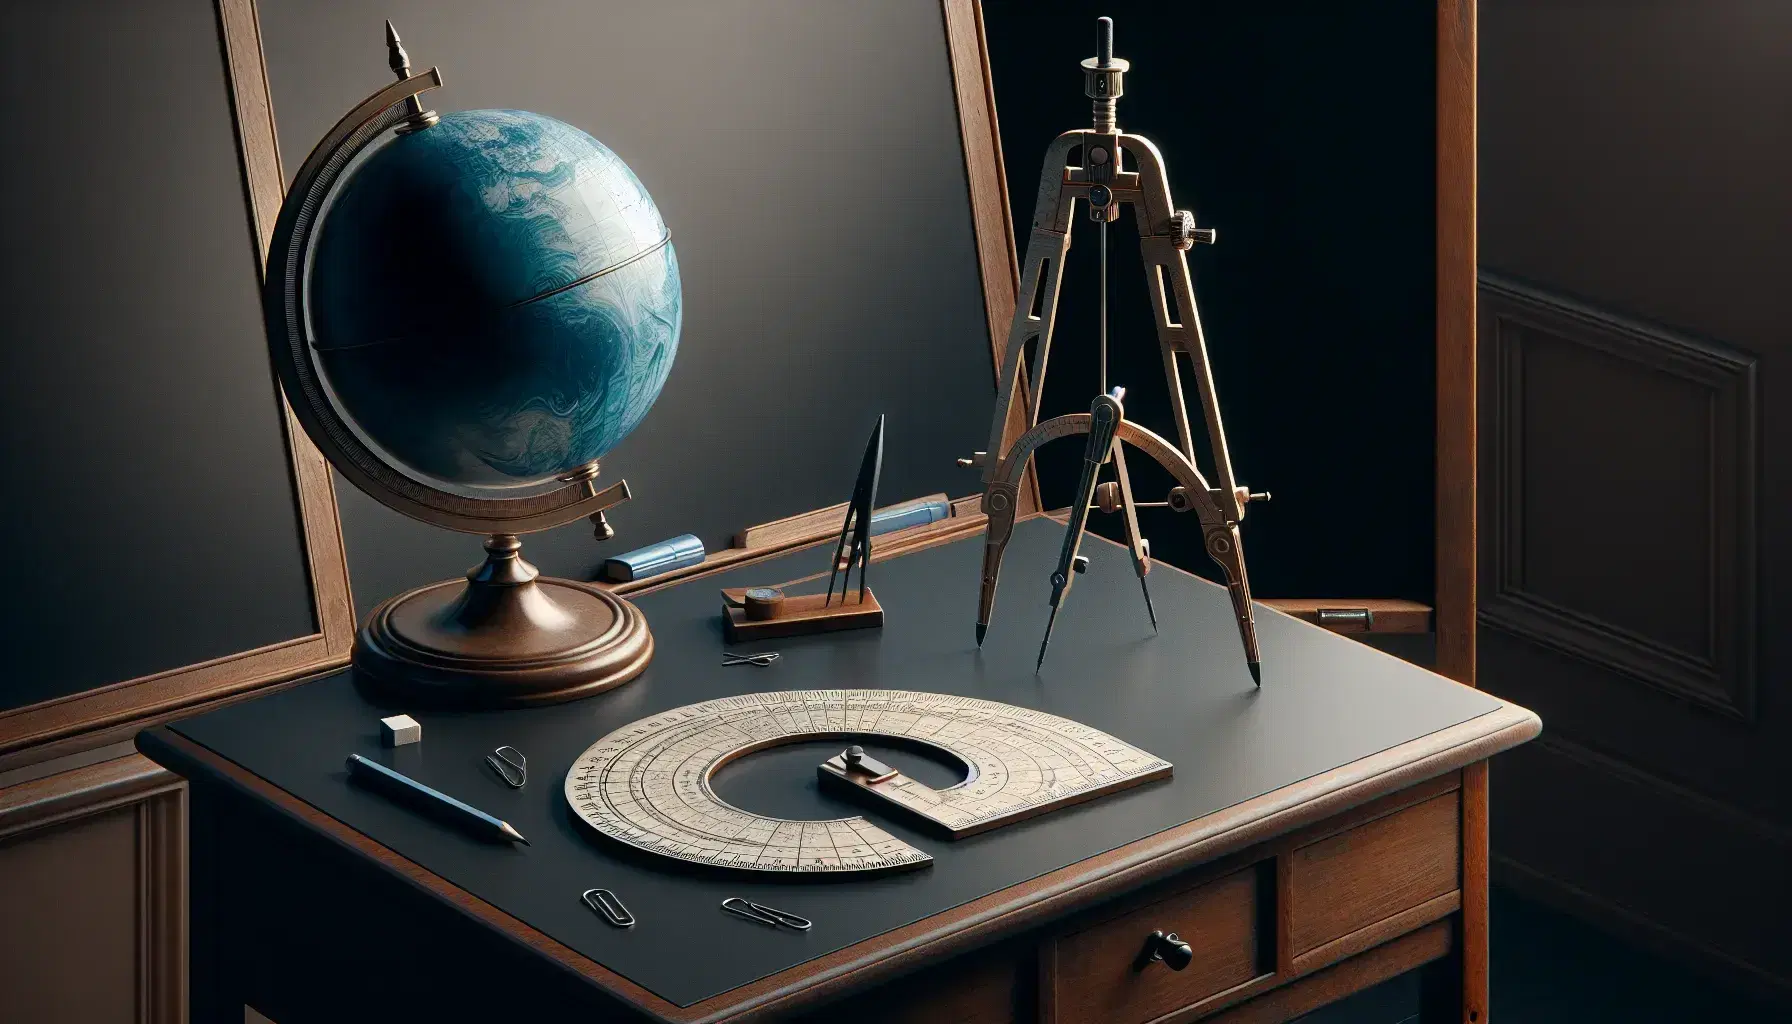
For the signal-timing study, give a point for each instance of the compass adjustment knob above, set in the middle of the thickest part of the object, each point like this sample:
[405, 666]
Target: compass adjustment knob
[1182, 228]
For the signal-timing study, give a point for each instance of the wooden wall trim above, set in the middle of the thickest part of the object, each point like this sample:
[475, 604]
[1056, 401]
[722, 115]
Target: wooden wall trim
[162, 908]
[1456, 262]
[97, 710]
[1723, 678]
[158, 798]
[990, 212]
[83, 792]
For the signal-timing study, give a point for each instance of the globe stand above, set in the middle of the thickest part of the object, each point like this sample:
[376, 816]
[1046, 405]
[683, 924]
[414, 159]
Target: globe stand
[507, 637]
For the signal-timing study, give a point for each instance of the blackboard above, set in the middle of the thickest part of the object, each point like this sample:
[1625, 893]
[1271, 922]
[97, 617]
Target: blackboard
[1305, 133]
[151, 514]
[806, 157]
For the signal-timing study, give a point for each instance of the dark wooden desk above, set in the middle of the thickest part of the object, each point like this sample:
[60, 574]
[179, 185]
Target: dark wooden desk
[1310, 844]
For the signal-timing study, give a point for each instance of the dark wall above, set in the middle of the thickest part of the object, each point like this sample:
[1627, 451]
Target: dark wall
[807, 161]
[1634, 569]
[1303, 132]
[150, 514]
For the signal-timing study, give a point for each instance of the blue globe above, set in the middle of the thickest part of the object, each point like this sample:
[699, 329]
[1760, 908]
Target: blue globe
[494, 298]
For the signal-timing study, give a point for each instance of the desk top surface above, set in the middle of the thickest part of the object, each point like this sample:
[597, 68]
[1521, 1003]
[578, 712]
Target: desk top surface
[1183, 695]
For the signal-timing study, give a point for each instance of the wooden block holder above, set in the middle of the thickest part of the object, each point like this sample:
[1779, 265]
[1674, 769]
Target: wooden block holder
[801, 615]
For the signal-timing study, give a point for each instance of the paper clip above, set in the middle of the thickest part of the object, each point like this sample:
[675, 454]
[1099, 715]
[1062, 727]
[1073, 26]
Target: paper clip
[764, 914]
[763, 658]
[607, 906]
[512, 767]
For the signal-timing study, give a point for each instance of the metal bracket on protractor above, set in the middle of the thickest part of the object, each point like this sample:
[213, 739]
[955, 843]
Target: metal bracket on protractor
[1116, 169]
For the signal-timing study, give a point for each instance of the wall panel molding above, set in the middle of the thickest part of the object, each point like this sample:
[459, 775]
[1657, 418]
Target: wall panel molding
[1723, 912]
[1722, 677]
[157, 801]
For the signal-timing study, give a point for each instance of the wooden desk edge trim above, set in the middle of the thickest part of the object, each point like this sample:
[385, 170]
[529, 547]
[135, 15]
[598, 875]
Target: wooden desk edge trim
[999, 914]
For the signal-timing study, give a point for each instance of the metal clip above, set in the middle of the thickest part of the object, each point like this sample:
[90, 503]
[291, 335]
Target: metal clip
[763, 658]
[764, 914]
[607, 906]
[512, 767]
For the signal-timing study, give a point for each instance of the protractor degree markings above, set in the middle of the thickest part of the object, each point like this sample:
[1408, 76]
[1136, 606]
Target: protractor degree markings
[629, 780]
[700, 801]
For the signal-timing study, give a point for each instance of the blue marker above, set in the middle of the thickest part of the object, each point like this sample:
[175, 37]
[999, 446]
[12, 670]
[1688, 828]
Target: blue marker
[915, 513]
[655, 559]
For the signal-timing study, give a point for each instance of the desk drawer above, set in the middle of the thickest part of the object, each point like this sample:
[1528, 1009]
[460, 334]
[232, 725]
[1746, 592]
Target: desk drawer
[1372, 871]
[1097, 980]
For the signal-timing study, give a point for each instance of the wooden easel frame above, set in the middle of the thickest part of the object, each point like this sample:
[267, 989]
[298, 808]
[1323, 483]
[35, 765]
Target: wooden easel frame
[113, 712]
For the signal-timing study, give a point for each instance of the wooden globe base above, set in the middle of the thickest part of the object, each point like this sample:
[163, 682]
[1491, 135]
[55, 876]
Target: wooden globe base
[506, 637]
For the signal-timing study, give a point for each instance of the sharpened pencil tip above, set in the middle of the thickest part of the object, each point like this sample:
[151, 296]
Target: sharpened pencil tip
[1257, 673]
[510, 832]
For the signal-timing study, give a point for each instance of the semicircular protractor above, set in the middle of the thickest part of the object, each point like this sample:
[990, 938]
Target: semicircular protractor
[648, 783]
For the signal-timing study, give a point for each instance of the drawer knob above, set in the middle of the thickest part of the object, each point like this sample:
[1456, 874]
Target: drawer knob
[1169, 949]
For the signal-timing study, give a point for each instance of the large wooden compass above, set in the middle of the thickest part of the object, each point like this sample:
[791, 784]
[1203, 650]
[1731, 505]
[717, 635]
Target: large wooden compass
[1113, 169]
[648, 783]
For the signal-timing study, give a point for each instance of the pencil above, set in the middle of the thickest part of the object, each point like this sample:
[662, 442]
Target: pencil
[379, 777]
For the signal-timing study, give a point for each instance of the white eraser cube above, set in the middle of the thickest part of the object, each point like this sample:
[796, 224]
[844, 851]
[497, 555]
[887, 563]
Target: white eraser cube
[400, 730]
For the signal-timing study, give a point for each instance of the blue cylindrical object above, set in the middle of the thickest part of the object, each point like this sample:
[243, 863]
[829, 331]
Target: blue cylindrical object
[655, 559]
[901, 517]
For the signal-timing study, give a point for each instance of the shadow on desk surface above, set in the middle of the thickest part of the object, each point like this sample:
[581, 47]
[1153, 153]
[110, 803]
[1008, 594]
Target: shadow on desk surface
[1183, 695]
[1549, 968]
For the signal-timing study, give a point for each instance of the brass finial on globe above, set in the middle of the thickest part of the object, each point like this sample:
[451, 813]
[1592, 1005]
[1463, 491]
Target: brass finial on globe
[468, 311]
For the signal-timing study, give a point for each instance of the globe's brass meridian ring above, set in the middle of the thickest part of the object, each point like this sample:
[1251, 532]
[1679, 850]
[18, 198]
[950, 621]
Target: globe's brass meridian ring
[290, 343]
[435, 312]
